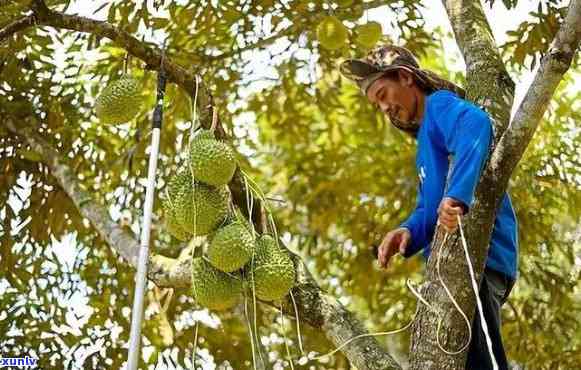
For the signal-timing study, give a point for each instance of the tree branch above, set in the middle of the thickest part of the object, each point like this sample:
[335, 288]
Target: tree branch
[553, 67]
[16, 26]
[488, 82]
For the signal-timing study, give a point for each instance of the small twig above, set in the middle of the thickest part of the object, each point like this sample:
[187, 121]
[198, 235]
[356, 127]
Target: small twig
[276, 200]
[214, 119]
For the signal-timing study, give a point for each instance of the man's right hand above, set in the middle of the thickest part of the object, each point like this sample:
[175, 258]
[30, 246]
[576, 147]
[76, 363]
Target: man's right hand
[394, 241]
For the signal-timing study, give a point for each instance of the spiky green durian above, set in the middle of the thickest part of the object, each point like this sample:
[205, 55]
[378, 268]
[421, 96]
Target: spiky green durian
[197, 208]
[368, 34]
[332, 33]
[211, 161]
[213, 288]
[231, 247]
[120, 101]
[272, 270]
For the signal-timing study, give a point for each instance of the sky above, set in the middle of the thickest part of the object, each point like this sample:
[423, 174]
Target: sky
[67, 249]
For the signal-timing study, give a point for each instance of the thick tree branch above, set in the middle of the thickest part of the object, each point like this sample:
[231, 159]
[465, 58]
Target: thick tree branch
[16, 26]
[553, 67]
[490, 86]
[488, 82]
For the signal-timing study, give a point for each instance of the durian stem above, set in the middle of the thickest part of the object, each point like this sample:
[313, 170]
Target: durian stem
[249, 207]
[214, 119]
[126, 63]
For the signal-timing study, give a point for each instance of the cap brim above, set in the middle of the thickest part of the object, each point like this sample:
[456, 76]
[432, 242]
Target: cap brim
[356, 70]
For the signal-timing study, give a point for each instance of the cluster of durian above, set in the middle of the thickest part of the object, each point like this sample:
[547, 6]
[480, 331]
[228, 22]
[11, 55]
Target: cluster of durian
[197, 203]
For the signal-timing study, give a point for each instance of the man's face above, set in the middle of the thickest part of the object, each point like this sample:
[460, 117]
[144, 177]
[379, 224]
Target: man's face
[395, 97]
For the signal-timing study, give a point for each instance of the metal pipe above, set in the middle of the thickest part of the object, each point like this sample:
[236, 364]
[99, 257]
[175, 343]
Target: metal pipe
[143, 257]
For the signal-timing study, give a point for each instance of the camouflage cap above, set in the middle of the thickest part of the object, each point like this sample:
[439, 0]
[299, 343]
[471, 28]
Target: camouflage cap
[387, 58]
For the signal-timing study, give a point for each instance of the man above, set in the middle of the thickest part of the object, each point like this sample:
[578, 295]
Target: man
[447, 128]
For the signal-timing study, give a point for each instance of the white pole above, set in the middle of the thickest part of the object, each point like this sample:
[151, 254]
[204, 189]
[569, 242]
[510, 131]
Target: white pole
[143, 257]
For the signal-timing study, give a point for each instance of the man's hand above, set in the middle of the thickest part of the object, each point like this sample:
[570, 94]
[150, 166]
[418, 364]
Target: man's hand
[447, 213]
[394, 241]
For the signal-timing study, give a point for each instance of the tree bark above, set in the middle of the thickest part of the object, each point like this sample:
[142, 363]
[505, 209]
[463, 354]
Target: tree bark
[487, 81]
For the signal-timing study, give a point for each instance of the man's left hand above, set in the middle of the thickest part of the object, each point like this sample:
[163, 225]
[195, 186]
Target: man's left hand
[448, 211]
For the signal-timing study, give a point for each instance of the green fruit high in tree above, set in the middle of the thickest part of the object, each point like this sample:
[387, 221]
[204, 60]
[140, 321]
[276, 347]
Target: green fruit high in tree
[213, 288]
[332, 34]
[273, 272]
[212, 162]
[120, 101]
[231, 247]
[368, 34]
[194, 208]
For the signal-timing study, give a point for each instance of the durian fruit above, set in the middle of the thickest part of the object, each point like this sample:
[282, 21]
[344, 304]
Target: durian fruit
[213, 288]
[204, 134]
[238, 216]
[273, 270]
[174, 228]
[368, 34]
[197, 208]
[332, 34]
[120, 101]
[211, 161]
[231, 247]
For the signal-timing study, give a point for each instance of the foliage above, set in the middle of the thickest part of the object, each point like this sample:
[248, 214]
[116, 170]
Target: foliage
[344, 176]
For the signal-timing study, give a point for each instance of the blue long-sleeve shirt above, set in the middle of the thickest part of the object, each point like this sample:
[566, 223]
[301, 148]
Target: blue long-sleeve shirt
[455, 132]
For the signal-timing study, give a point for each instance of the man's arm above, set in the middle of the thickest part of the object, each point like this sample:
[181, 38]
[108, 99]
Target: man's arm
[415, 224]
[468, 140]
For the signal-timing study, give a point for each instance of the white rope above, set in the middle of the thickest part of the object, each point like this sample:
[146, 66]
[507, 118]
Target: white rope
[250, 332]
[195, 214]
[195, 344]
[290, 359]
[478, 302]
[250, 208]
[449, 294]
[298, 322]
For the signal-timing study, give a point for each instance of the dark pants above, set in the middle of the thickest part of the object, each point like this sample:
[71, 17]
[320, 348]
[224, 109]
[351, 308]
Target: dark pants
[494, 290]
